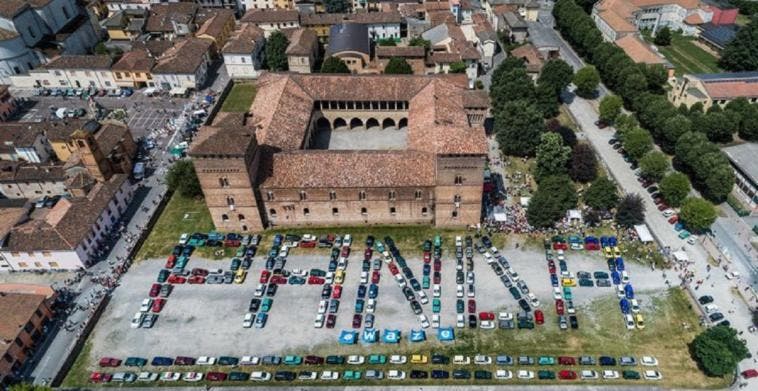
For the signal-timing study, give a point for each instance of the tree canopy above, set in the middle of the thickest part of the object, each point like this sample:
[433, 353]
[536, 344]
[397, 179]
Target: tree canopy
[610, 108]
[182, 178]
[554, 196]
[556, 74]
[398, 66]
[276, 45]
[637, 143]
[663, 37]
[419, 41]
[602, 194]
[518, 126]
[630, 211]
[697, 214]
[718, 350]
[583, 166]
[334, 65]
[586, 81]
[741, 54]
[674, 188]
[654, 165]
[336, 6]
[552, 155]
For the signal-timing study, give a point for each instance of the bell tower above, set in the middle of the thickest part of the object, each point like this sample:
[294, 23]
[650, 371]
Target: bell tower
[83, 142]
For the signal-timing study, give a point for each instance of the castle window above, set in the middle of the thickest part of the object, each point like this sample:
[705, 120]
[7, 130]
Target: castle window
[362, 195]
[423, 211]
[335, 211]
[241, 217]
[223, 182]
[306, 211]
[393, 210]
[364, 211]
[392, 195]
[270, 196]
[272, 213]
[418, 194]
[455, 214]
[230, 201]
[224, 218]
[457, 198]
[332, 195]
[303, 196]
[458, 179]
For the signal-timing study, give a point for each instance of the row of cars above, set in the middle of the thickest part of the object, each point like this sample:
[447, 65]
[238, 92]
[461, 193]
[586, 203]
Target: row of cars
[406, 281]
[712, 311]
[271, 277]
[562, 294]
[629, 306]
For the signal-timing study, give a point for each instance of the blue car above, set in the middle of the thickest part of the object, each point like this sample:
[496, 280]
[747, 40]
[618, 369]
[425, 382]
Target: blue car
[678, 227]
[628, 291]
[620, 264]
[554, 279]
[624, 304]
[359, 306]
[615, 277]
[427, 269]
[612, 241]
[159, 361]
[603, 241]
[373, 291]
[278, 240]
[361, 291]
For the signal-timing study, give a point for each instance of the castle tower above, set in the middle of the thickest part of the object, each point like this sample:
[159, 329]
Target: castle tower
[83, 142]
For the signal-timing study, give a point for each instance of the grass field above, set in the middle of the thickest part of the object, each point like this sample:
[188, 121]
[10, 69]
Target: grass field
[239, 99]
[687, 57]
[180, 215]
[671, 326]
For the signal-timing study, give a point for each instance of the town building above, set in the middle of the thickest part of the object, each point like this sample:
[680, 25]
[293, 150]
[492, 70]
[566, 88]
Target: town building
[126, 25]
[217, 27]
[302, 51]
[27, 310]
[184, 66]
[714, 88]
[350, 43]
[513, 25]
[717, 36]
[450, 46]
[23, 141]
[641, 52]
[73, 71]
[23, 180]
[278, 166]
[8, 104]
[415, 56]
[134, 69]
[745, 166]
[243, 52]
[271, 19]
[380, 25]
[121, 5]
[263, 4]
[532, 59]
[171, 20]
[526, 9]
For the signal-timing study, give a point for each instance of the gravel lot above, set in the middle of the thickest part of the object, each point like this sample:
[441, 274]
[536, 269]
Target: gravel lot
[210, 316]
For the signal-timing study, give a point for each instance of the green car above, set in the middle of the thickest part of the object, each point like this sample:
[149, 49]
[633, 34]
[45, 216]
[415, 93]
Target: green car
[546, 375]
[317, 273]
[163, 275]
[425, 282]
[436, 306]
[567, 293]
[197, 242]
[438, 241]
[630, 375]
[135, 362]
[352, 375]
[239, 376]
[427, 245]
[379, 246]
[546, 360]
[266, 304]
[459, 306]
[236, 263]
[684, 234]
[241, 252]
[515, 292]
[525, 324]
[377, 359]
[181, 262]
[292, 360]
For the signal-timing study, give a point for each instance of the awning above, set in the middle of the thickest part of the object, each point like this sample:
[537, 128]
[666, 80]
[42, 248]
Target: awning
[178, 91]
[643, 233]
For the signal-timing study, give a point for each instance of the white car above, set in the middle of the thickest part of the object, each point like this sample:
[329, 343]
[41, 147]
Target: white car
[588, 374]
[370, 306]
[557, 293]
[330, 375]
[192, 376]
[668, 212]
[523, 374]
[629, 321]
[248, 321]
[514, 276]
[400, 280]
[307, 375]
[709, 308]
[322, 306]
[364, 277]
[329, 278]
[319, 322]
[635, 305]
[469, 277]
[620, 291]
[505, 316]
[653, 375]
[482, 360]
[503, 374]
[471, 291]
[355, 359]
[461, 360]
[424, 321]
[649, 361]
[146, 304]
[624, 277]
[436, 321]
[205, 360]
[423, 298]
[147, 376]
[486, 325]
[170, 376]
[260, 376]
[299, 272]
[459, 291]
[398, 359]
[460, 321]
[436, 290]
[692, 239]
[137, 320]
[250, 360]
[533, 300]
[458, 241]
[347, 240]
[183, 239]
[284, 251]
[733, 275]
[493, 250]
[394, 374]
[259, 290]
[488, 258]
[609, 374]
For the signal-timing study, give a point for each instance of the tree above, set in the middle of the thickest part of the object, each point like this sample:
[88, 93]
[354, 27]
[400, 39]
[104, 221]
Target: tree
[654, 165]
[663, 37]
[586, 81]
[674, 188]
[101, 49]
[718, 350]
[610, 108]
[624, 124]
[583, 166]
[518, 127]
[637, 143]
[419, 41]
[336, 6]
[334, 65]
[748, 117]
[511, 84]
[547, 101]
[697, 214]
[554, 196]
[28, 387]
[552, 155]
[398, 66]
[458, 67]
[567, 134]
[718, 125]
[276, 45]
[741, 54]
[182, 178]
[672, 129]
[630, 211]
[557, 75]
[602, 194]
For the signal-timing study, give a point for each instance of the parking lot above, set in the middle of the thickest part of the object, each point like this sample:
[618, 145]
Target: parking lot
[211, 315]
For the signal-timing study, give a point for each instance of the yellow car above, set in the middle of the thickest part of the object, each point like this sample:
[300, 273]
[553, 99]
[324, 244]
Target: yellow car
[418, 359]
[616, 252]
[239, 277]
[568, 281]
[640, 321]
[339, 277]
[608, 252]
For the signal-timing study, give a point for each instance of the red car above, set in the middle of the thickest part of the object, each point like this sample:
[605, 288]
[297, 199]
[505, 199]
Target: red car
[375, 277]
[662, 207]
[154, 290]
[110, 361]
[437, 265]
[345, 252]
[307, 244]
[174, 279]
[199, 272]
[357, 319]
[265, 274]
[427, 257]
[559, 306]
[566, 360]
[215, 376]
[471, 306]
[674, 219]
[171, 261]
[539, 317]
[567, 375]
[313, 360]
[183, 360]
[313, 280]
[196, 280]
[158, 305]
[393, 269]
[367, 254]
[330, 321]
[231, 243]
[551, 266]
[486, 316]
[749, 373]
[337, 292]
[99, 377]
[560, 246]
[279, 280]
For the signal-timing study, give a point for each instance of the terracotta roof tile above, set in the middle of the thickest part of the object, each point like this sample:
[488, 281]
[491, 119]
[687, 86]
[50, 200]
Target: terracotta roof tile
[617, 22]
[135, 60]
[17, 309]
[11, 8]
[731, 89]
[639, 51]
[183, 58]
[531, 55]
[228, 136]
[88, 61]
[245, 39]
[268, 15]
[162, 16]
[303, 42]
[214, 26]
[694, 18]
[400, 51]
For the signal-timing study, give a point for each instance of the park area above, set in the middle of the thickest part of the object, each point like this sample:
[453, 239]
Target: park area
[240, 98]
[687, 57]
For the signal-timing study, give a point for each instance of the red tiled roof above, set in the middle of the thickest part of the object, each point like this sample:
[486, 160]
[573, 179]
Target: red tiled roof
[639, 51]
[731, 89]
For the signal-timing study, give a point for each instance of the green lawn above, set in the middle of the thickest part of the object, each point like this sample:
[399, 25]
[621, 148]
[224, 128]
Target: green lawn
[687, 57]
[239, 99]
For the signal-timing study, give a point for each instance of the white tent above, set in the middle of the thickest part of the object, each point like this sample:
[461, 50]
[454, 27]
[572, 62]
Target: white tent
[680, 256]
[525, 201]
[643, 233]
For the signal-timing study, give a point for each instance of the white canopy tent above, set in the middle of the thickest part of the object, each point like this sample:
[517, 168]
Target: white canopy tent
[643, 233]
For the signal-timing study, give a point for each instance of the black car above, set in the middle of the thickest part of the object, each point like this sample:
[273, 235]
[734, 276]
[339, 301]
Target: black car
[524, 305]
[440, 374]
[459, 277]
[271, 290]
[652, 189]
[370, 241]
[226, 360]
[335, 360]
[416, 374]
[482, 375]
[284, 375]
[472, 321]
[270, 263]
[239, 376]
[705, 300]
[326, 291]
[574, 322]
[361, 291]
[607, 361]
[414, 283]
[461, 374]
[255, 303]
[440, 359]
[332, 265]
[408, 292]
[389, 242]
[366, 265]
[246, 263]
[486, 241]
[469, 241]
[716, 316]
[416, 307]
